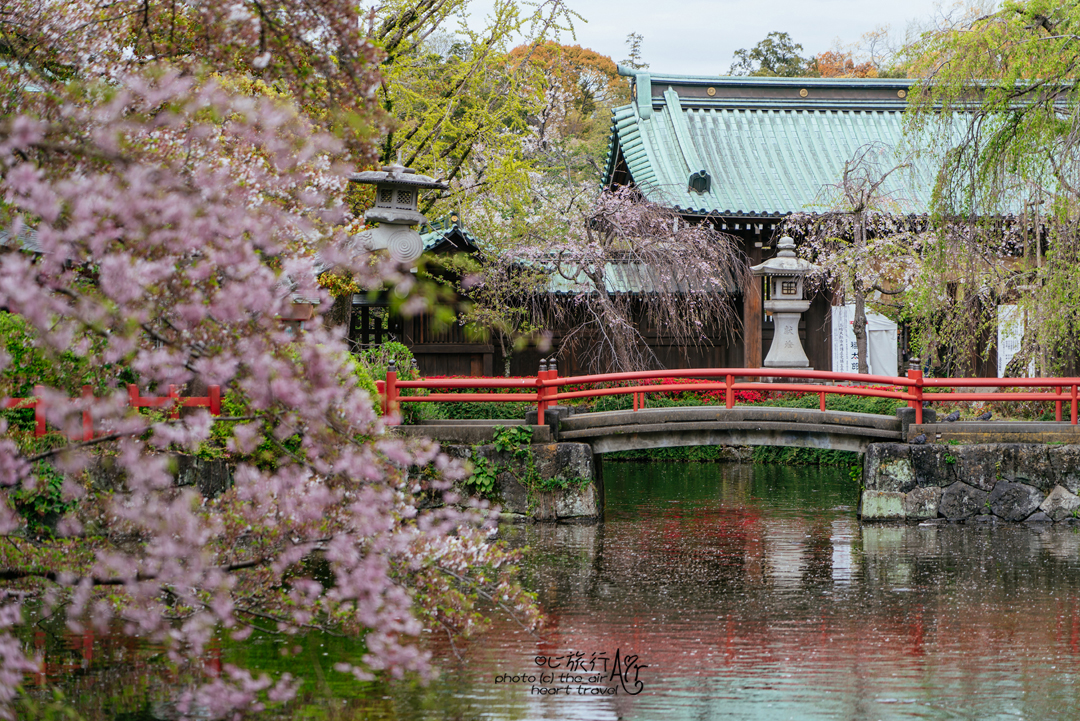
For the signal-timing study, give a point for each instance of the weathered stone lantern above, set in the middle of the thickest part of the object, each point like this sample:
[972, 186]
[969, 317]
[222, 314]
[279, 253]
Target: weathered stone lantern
[785, 275]
[397, 191]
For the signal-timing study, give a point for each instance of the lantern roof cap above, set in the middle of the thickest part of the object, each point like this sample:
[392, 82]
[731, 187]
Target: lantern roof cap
[785, 262]
[398, 175]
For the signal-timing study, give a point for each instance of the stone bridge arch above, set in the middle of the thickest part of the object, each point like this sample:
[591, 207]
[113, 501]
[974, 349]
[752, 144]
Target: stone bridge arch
[613, 431]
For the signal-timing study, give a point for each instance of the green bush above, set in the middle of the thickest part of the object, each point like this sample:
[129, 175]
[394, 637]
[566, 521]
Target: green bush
[43, 506]
[377, 360]
[29, 365]
[784, 455]
[480, 410]
[687, 454]
[364, 379]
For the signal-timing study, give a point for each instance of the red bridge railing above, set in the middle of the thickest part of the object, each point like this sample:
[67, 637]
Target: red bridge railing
[546, 388]
[173, 402]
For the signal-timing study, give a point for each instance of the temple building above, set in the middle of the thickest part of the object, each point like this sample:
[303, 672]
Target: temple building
[743, 153]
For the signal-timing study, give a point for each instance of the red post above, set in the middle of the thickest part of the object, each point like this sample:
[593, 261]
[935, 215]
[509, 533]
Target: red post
[729, 391]
[39, 411]
[821, 398]
[87, 423]
[174, 396]
[133, 395]
[552, 374]
[390, 401]
[915, 375]
[1057, 405]
[215, 400]
[542, 392]
[1073, 410]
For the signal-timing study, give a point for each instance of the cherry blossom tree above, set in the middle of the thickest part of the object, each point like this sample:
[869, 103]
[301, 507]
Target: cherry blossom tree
[622, 262]
[180, 166]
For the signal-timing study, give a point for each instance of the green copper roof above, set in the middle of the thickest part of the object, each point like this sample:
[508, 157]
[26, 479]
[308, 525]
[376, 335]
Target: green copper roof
[636, 279]
[770, 146]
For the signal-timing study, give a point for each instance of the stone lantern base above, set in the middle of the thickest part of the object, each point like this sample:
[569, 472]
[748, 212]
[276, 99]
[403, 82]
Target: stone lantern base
[786, 350]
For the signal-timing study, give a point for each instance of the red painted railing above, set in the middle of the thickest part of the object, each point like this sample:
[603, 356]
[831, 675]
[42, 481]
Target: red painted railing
[174, 402]
[545, 389]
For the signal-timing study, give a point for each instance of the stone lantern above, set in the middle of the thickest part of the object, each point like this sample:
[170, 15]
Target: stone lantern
[786, 275]
[397, 191]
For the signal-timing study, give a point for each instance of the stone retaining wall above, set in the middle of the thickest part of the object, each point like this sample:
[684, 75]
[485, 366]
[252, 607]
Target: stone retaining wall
[1017, 482]
[569, 464]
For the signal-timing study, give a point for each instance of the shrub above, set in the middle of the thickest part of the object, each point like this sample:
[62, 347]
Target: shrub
[364, 379]
[29, 365]
[377, 359]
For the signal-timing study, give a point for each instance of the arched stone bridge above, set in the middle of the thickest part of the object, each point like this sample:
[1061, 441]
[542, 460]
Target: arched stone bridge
[612, 431]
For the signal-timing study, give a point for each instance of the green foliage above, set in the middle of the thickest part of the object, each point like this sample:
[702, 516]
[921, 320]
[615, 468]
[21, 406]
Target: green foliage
[480, 410]
[377, 360]
[787, 456]
[621, 402]
[685, 454]
[999, 110]
[775, 56]
[513, 439]
[43, 505]
[364, 379]
[484, 476]
[57, 708]
[950, 459]
[30, 365]
[268, 452]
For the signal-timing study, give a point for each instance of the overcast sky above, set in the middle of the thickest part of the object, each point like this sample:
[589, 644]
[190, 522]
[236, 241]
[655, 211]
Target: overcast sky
[699, 37]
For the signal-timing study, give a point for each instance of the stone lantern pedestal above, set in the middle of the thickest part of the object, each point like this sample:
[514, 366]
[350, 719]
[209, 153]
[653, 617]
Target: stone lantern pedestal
[786, 274]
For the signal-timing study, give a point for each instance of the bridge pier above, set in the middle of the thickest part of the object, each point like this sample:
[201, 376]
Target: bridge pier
[542, 481]
[978, 483]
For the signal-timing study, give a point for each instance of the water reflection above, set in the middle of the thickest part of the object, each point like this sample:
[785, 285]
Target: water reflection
[749, 593]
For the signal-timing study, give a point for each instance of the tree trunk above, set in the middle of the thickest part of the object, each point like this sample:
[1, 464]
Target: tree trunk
[859, 325]
[340, 313]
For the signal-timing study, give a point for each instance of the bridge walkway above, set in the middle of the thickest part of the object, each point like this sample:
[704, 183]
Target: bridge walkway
[612, 431]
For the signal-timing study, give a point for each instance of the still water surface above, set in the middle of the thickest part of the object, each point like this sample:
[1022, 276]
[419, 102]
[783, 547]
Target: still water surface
[750, 592]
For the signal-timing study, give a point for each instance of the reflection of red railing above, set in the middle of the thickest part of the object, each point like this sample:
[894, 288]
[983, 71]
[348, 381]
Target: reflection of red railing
[174, 402]
[544, 389]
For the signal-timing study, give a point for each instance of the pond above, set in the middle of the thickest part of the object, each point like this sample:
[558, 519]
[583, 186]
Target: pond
[716, 591]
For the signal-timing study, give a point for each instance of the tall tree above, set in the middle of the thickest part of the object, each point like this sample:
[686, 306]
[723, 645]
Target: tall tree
[457, 107]
[775, 56]
[1000, 108]
[838, 238]
[622, 262]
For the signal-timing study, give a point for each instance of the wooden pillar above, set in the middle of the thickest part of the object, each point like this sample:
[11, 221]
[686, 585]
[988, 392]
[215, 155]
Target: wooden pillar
[752, 314]
[818, 342]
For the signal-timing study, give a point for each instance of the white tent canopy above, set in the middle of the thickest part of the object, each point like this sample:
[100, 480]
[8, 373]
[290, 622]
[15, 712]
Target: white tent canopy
[881, 342]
